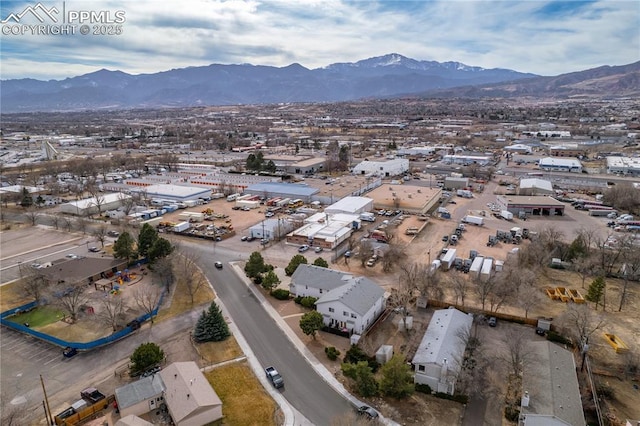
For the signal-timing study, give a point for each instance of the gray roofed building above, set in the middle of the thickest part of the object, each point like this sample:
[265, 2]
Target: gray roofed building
[551, 395]
[310, 280]
[141, 396]
[535, 186]
[282, 189]
[436, 359]
[350, 304]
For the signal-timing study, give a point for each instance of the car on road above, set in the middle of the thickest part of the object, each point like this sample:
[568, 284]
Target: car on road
[114, 234]
[492, 322]
[218, 265]
[269, 214]
[445, 238]
[72, 256]
[303, 248]
[368, 412]
[318, 249]
[94, 249]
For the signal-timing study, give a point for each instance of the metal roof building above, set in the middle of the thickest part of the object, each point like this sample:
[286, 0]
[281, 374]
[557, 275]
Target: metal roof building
[535, 186]
[435, 360]
[175, 192]
[89, 206]
[351, 205]
[560, 164]
[140, 396]
[534, 205]
[283, 189]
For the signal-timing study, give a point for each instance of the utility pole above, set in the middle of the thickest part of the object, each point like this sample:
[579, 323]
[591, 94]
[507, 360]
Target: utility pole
[46, 400]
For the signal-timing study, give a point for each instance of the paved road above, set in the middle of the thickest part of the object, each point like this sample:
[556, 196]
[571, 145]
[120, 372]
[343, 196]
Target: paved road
[304, 388]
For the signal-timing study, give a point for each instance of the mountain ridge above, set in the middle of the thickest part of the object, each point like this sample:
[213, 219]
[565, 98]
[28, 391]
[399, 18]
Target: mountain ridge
[390, 75]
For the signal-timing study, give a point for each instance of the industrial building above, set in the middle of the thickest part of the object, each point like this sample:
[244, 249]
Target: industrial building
[535, 186]
[395, 167]
[456, 182]
[271, 229]
[93, 205]
[300, 191]
[483, 160]
[536, 206]
[351, 205]
[437, 358]
[560, 164]
[306, 167]
[322, 230]
[518, 148]
[568, 150]
[410, 198]
[623, 165]
[175, 193]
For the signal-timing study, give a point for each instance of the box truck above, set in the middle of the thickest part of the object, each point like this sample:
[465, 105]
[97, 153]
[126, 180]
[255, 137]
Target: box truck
[506, 214]
[448, 258]
[475, 220]
[368, 217]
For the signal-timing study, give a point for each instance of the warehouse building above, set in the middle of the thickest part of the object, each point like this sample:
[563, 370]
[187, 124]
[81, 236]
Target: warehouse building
[456, 182]
[535, 186]
[175, 193]
[560, 164]
[483, 160]
[91, 206]
[536, 206]
[284, 190]
[395, 167]
[351, 205]
[410, 198]
[623, 166]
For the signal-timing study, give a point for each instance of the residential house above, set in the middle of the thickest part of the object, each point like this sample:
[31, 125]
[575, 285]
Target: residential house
[350, 304]
[141, 396]
[437, 359]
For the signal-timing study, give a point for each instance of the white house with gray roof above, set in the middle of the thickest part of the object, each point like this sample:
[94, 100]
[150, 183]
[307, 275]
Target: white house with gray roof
[140, 396]
[437, 360]
[348, 303]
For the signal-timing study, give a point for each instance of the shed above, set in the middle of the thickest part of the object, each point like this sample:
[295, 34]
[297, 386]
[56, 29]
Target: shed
[384, 354]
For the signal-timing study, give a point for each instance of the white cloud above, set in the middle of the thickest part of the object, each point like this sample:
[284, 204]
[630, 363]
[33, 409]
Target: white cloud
[528, 36]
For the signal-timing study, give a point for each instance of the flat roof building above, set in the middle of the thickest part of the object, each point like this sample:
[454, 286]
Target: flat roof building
[623, 165]
[395, 167]
[534, 205]
[93, 205]
[411, 198]
[560, 164]
[175, 192]
[535, 186]
[352, 205]
[300, 191]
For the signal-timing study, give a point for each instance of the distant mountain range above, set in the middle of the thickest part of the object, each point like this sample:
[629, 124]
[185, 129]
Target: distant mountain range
[380, 77]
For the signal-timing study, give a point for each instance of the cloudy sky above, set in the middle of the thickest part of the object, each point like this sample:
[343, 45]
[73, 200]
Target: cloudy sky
[541, 37]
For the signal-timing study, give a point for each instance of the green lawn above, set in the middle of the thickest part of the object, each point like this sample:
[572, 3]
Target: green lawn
[38, 317]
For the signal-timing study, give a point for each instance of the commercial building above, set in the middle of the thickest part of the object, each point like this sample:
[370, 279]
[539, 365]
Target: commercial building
[395, 167]
[436, 361]
[300, 191]
[351, 205]
[309, 166]
[534, 205]
[175, 193]
[326, 231]
[93, 205]
[551, 395]
[272, 229]
[410, 198]
[483, 160]
[518, 148]
[624, 165]
[535, 186]
[560, 164]
[567, 150]
[456, 182]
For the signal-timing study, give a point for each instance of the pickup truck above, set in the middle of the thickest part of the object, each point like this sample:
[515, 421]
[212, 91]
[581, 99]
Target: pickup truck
[274, 376]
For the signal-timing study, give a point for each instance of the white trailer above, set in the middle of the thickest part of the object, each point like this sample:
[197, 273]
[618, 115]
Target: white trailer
[506, 214]
[368, 217]
[476, 266]
[449, 258]
[182, 226]
[475, 220]
[487, 265]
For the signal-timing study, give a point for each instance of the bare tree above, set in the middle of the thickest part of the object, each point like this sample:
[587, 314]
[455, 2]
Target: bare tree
[111, 311]
[67, 223]
[483, 288]
[126, 202]
[461, 285]
[630, 272]
[393, 256]
[528, 297]
[82, 224]
[364, 251]
[32, 215]
[33, 283]
[164, 270]
[190, 274]
[147, 299]
[585, 267]
[70, 297]
[518, 351]
[100, 234]
[581, 322]
[588, 237]
[55, 220]
[94, 190]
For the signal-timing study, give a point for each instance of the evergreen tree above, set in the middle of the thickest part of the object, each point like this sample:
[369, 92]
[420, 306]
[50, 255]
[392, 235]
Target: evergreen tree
[146, 355]
[396, 380]
[596, 291]
[160, 248]
[362, 373]
[211, 326]
[123, 247]
[255, 265]
[27, 199]
[270, 281]
[293, 264]
[147, 236]
[321, 263]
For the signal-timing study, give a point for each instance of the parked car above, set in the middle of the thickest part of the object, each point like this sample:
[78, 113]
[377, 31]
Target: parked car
[114, 234]
[371, 262]
[218, 265]
[368, 412]
[68, 352]
[94, 249]
[318, 249]
[303, 248]
[492, 322]
[269, 214]
[243, 238]
[445, 238]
